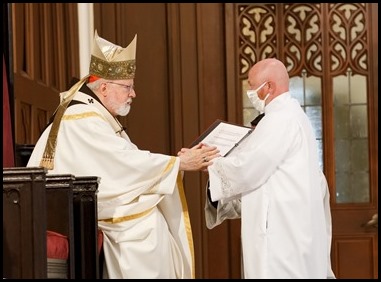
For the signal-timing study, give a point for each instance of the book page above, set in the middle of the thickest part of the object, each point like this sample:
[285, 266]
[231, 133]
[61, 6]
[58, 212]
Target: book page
[226, 136]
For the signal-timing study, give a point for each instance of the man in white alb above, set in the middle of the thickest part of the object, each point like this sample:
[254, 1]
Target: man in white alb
[273, 182]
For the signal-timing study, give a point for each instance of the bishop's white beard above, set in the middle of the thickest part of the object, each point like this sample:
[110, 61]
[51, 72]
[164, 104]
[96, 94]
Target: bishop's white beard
[123, 110]
[119, 109]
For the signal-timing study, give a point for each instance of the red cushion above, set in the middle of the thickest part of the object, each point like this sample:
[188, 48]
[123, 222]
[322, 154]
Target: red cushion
[57, 245]
[100, 240]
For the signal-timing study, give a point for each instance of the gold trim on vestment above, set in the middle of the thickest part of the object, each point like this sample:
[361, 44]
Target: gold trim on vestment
[127, 217]
[170, 164]
[169, 167]
[187, 223]
[81, 116]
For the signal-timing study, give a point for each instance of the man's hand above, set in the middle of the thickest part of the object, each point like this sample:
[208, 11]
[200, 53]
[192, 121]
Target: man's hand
[198, 157]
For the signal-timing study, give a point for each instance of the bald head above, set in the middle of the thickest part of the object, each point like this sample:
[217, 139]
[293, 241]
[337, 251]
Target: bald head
[273, 71]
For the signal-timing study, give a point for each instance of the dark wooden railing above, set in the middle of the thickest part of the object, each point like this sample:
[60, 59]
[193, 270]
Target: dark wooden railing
[35, 202]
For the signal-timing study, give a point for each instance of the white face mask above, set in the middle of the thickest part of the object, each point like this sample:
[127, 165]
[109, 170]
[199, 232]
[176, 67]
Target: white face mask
[258, 104]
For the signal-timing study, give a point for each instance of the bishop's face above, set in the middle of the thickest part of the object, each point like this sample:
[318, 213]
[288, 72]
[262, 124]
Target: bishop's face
[119, 96]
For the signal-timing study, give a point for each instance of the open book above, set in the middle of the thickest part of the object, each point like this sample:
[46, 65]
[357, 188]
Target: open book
[224, 135]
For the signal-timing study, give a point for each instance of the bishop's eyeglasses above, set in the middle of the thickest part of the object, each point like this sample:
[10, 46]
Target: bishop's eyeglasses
[127, 88]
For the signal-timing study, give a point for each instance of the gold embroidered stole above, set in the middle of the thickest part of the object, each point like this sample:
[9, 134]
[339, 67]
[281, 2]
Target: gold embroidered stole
[47, 160]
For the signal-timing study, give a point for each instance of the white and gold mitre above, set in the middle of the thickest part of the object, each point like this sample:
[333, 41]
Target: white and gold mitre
[111, 61]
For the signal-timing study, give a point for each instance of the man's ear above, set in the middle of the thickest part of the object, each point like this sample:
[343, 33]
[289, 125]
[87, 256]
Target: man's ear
[103, 89]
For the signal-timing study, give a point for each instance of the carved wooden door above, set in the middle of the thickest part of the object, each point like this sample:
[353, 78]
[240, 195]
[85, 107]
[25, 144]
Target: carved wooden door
[331, 53]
